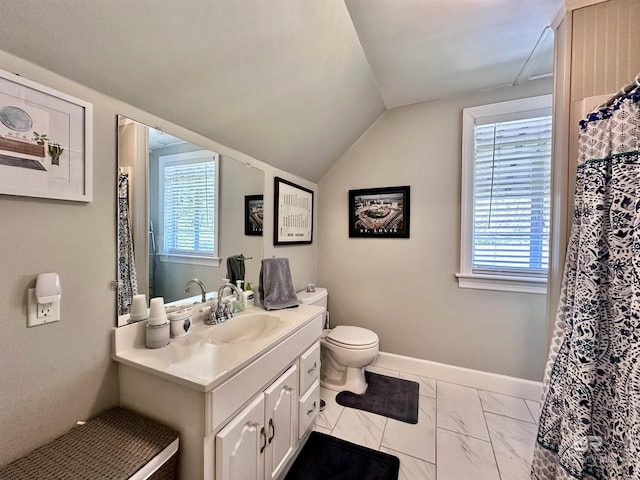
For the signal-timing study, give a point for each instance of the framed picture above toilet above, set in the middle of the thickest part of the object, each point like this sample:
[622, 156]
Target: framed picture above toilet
[293, 213]
[379, 212]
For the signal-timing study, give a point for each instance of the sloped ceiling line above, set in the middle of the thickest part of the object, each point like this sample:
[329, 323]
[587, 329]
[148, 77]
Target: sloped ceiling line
[291, 83]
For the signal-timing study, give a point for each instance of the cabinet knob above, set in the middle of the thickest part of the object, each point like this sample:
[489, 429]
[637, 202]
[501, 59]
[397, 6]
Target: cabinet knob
[272, 427]
[264, 439]
[315, 364]
[313, 409]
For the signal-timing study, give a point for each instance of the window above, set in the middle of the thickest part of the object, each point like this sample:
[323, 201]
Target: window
[506, 196]
[188, 202]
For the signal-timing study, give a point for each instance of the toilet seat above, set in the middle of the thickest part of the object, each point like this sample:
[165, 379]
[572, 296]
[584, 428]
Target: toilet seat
[354, 338]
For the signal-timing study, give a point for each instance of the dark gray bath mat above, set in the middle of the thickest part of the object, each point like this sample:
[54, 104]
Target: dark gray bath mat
[324, 457]
[387, 396]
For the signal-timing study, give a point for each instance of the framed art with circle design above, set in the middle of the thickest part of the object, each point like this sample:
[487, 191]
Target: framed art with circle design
[45, 141]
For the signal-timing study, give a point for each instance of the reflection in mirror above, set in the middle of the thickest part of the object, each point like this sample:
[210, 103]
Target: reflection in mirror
[181, 216]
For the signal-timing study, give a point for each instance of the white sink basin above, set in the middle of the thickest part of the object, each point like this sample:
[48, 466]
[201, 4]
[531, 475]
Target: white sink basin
[244, 328]
[210, 354]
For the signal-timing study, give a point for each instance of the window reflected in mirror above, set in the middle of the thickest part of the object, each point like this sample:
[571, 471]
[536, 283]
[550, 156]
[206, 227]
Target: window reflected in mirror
[181, 215]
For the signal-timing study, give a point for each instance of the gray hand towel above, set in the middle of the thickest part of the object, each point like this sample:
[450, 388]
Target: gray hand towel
[276, 288]
[235, 268]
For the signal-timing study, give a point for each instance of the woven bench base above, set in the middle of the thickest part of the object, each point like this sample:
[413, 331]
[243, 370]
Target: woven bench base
[112, 446]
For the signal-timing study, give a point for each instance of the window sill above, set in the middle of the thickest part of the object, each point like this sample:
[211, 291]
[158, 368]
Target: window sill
[502, 283]
[190, 259]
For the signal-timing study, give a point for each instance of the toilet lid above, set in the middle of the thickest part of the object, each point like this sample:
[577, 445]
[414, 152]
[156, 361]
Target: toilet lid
[356, 336]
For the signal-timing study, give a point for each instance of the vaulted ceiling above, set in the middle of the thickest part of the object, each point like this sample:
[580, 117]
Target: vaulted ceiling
[290, 82]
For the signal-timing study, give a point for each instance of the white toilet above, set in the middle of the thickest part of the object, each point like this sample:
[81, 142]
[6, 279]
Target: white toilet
[345, 350]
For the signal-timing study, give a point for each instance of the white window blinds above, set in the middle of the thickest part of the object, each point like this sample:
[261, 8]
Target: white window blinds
[189, 205]
[511, 197]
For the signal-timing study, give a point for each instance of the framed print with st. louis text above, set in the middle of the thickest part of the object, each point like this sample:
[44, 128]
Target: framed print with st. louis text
[253, 214]
[379, 212]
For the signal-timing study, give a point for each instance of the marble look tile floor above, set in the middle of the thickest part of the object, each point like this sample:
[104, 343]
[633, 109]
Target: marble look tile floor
[461, 433]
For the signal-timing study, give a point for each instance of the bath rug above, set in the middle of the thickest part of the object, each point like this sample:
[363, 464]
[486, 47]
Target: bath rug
[325, 457]
[387, 396]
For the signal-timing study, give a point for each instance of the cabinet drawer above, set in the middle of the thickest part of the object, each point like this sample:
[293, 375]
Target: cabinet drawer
[308, 409]
[309, 367]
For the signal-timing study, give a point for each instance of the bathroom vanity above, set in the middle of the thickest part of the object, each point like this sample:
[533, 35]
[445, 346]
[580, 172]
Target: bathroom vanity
[243, 396]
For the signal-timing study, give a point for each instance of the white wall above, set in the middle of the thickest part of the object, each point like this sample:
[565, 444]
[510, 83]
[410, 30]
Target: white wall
[53, 375]
[405, 289]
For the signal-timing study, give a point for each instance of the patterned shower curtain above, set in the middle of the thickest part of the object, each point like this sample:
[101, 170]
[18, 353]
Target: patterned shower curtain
[590, 422]
[127, 280]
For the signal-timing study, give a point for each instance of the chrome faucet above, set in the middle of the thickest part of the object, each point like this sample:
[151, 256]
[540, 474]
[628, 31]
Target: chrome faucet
[223, 310]
[203, 289]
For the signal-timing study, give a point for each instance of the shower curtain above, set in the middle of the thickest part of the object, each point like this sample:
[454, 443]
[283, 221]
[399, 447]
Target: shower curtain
[127, 280]
[590, 422]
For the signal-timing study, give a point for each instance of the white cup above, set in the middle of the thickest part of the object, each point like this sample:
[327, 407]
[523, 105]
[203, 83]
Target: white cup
[157, 336]
[157, 314]
[139, 308]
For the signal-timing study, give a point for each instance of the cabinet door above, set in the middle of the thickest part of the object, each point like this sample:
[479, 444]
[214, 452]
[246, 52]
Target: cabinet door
[240, 445]
[281, 421]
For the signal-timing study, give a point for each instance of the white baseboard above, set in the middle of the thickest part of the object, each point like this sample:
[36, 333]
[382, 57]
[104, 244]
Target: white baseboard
[516, 387]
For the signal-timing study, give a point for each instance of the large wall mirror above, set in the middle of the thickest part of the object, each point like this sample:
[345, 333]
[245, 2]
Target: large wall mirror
[183, 210]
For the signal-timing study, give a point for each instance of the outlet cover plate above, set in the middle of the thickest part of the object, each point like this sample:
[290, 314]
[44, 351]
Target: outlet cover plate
[32, 311]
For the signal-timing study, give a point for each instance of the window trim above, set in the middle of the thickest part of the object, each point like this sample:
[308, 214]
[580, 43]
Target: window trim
[187, 258]
[496, 112]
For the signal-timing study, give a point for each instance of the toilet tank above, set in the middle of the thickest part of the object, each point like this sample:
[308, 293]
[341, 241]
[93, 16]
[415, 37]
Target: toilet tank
[319, 297]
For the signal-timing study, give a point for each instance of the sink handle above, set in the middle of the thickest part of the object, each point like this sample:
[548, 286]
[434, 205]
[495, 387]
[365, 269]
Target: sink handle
[273, 429]
[264, 439]
[315, 364]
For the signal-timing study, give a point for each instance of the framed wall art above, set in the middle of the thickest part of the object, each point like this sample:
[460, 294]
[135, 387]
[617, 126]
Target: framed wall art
[45, 141]
[253, 214]
[293, 213]
[379, 212]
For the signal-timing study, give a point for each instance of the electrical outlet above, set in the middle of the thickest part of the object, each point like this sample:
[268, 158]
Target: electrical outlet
[44, 310]
[41, 314]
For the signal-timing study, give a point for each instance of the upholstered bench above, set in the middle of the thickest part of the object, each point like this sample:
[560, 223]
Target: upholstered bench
[115, 445]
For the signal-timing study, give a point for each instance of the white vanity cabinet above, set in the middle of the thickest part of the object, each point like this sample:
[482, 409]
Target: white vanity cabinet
[247, 423]
[261, 439]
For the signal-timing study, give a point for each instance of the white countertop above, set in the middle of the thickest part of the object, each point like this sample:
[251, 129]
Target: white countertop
[195, 360]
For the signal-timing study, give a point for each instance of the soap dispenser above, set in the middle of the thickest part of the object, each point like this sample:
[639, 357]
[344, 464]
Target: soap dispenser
[238, 305]
[248, 297]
